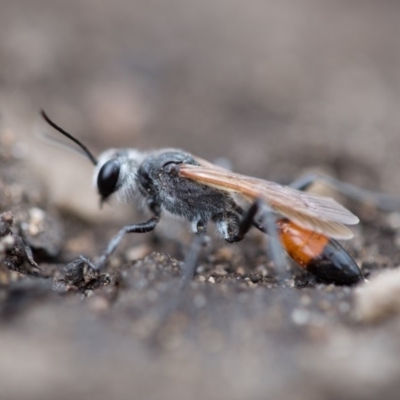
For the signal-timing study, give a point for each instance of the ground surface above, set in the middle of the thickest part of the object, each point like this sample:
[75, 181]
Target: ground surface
[277, 88]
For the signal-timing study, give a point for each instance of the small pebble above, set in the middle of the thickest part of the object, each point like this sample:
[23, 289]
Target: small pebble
[300, 316]
[241, 271]
[393, 220]
[137, 252]
[379, 298]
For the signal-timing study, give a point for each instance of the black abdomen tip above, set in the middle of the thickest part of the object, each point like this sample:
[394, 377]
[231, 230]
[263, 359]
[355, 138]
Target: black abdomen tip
[335, 265]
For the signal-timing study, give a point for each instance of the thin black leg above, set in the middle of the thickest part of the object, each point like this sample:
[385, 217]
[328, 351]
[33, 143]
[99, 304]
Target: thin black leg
[383, 201]
[246, 223]
[304, 182]
[116, 240]
[267, 224]
[190, 263]
[189, 268]
[275, 250]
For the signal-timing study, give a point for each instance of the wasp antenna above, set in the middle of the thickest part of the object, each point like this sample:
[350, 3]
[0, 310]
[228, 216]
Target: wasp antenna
[91, 157]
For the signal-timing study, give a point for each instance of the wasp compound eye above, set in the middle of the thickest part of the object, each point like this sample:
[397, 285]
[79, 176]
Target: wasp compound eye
[108, 178]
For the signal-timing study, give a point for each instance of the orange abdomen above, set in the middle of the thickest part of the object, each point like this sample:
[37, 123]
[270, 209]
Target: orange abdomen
[323, 257]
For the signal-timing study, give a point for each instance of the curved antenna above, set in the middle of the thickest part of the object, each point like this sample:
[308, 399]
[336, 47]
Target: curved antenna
[91, 157]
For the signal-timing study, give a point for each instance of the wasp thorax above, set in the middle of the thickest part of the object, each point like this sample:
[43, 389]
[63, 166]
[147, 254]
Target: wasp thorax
[108, 177]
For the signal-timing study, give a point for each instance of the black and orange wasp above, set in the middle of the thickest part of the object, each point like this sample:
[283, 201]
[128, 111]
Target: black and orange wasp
[174, 181]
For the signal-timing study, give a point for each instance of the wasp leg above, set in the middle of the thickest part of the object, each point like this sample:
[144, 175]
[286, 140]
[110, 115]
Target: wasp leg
[190, 263]
[267, 225]
[383, 201]
[116, 240]
[85, 260]
[275, 249]
[189, 268]
[245, 224]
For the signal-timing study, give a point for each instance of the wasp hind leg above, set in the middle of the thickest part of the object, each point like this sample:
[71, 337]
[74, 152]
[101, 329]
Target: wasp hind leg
[384, 202]
[260, 216]
[232, 235]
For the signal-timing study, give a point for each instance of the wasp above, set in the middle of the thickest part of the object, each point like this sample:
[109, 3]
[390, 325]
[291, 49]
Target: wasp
[176, 182]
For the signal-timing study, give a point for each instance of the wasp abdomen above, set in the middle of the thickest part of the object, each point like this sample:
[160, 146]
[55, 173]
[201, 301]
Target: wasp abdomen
[323, 257]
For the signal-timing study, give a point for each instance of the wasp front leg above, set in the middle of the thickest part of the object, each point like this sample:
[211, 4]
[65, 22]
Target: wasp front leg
[143, 227]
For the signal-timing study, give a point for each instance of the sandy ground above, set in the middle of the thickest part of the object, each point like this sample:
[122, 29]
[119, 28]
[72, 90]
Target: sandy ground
[278, 89]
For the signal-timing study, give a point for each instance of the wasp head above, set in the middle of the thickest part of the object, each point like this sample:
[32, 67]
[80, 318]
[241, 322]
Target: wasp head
[116, 169]
[116, 172]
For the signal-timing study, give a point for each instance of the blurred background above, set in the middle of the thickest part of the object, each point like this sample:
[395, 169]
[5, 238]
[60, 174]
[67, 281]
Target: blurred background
[277, 87]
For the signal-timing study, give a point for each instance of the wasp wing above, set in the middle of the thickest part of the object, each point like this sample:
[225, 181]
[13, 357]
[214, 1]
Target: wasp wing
[311, 211]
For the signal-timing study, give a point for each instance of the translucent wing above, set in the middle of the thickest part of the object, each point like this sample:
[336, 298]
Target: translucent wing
[311, 211]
